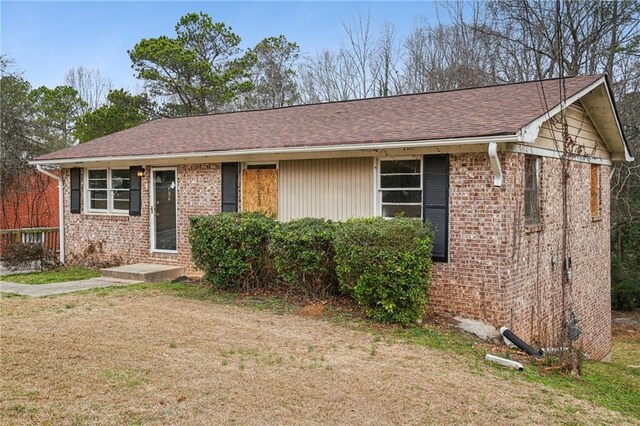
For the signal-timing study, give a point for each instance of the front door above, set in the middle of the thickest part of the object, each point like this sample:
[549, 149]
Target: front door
[163, 210]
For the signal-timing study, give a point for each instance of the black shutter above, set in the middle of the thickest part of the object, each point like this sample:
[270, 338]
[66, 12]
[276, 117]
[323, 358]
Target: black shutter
[135, 200]
[436, 202]
[229, 187]
[76, 176]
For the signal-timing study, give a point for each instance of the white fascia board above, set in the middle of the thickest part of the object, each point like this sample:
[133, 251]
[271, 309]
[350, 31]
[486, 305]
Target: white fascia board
[627, 154]
[292, 150]
[529, 133]
[551, 153]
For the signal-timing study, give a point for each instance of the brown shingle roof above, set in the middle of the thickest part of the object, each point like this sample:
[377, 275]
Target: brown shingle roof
[483, 111]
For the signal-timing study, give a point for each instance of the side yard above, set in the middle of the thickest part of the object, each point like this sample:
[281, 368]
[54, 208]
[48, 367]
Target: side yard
[179, 354]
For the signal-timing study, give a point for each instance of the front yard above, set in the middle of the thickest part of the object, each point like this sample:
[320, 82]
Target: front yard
[162, 355]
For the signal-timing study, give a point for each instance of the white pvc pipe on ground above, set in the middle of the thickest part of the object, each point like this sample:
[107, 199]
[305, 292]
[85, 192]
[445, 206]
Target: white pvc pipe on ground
[504, 361]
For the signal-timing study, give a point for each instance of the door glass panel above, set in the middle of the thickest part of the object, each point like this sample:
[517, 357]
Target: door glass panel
[164, 187]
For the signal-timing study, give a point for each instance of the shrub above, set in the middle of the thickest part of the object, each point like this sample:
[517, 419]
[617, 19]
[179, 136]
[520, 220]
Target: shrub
[303, 255]
[386, 266]
[27, 255]
[93, 257]
[625, 283]
[625, 295]
[232, 249]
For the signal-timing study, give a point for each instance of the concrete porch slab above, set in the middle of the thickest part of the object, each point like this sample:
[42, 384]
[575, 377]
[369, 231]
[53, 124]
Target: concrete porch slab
[148, 272]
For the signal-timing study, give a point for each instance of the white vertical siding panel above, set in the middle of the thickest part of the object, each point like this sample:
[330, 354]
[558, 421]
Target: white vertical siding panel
[335, 189]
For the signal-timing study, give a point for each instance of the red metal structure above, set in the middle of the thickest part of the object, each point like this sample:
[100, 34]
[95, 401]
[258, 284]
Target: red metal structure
[29, 211]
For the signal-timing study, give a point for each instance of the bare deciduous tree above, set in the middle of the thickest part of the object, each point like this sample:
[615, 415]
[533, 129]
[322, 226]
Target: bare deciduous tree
[92, 86]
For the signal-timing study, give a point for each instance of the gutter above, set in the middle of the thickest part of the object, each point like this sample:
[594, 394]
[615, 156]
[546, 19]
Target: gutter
[290, 150]
[60, 207]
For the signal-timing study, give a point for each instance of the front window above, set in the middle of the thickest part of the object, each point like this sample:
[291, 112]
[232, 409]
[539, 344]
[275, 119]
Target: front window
[531, 191]
[108, 190]
[401, 188]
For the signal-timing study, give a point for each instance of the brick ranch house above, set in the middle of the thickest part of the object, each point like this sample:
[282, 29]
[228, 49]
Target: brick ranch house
[481, 164]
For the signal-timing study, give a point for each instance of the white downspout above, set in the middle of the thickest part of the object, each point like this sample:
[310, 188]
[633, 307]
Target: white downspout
[60, 206]
[495, 164]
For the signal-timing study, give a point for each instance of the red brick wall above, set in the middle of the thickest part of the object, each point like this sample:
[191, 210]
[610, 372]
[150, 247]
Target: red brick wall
[471, 284]
[534, 267]
[127, 237]
[498, 270]
[504, 273]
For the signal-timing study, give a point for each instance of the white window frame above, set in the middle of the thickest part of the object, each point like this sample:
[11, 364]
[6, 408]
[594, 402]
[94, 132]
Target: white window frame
[87, 193]
[379, 189]
[152, 211]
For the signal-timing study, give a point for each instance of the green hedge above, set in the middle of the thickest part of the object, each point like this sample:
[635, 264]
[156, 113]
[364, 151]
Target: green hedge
[303, 255]
[232, 249]
[625, 295]
[386, 266]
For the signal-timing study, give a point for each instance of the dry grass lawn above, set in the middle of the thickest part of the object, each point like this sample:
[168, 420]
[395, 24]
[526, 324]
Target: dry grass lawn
[152, 358]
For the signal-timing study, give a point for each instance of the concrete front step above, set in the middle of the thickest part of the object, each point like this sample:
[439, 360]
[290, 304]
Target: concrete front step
[147, 272]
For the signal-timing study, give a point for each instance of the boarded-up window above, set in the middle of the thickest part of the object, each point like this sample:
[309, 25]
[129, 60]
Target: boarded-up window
[531, 191]
[260, 191]
[595, 190]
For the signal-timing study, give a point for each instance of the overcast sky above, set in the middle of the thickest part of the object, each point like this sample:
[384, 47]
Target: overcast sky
[47, 38]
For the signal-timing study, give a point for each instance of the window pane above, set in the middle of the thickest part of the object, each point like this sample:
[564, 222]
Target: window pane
[401, 196]
[98, 200]
[409, 211]
[401, 166]
[120, 200]
[120, 195]
[98, 195]
[97, 174]
[121, 204]
[400, 181]
[98, 179]
[120, 179]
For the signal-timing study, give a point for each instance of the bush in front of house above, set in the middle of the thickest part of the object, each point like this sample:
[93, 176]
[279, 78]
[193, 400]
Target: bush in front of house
[29, 255]
[385, 265]
[232, 249]
[625, 295]
[303, 255]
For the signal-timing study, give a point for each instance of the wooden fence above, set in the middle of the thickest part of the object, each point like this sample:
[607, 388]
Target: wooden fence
[48, 237]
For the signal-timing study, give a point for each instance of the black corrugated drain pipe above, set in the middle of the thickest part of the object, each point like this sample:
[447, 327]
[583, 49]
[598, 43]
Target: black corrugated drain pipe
[509, 335]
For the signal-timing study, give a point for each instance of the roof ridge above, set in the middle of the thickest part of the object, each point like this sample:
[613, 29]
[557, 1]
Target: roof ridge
[374, 98]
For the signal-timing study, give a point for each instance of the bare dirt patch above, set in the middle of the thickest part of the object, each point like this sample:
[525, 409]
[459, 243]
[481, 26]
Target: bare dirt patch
[159, 359]
[314, 310]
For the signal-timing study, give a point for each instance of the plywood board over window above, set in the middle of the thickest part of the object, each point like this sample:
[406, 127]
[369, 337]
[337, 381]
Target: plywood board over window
[260, 190]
